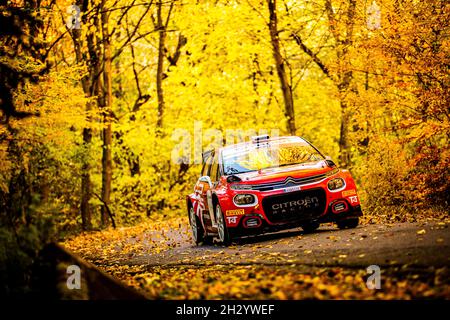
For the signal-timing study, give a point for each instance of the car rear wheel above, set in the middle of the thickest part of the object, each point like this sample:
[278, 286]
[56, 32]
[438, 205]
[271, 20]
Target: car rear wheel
[310, 227]
[222, 230]
[348, 223]
[197, 230]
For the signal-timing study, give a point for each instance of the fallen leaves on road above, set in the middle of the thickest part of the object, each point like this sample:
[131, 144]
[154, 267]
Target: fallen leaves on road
[279, 282]
[271, 275]
[124, 243]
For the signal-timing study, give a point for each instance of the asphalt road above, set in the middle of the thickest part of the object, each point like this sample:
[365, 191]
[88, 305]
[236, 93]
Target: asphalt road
[424, 244]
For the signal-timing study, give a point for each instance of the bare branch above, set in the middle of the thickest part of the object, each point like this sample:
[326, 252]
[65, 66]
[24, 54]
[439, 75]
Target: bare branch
[313, 56]
[133, 33]
[331, 19]
[108, 210]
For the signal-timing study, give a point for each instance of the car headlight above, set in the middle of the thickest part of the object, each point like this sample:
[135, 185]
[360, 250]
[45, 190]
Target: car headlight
[336, 183]
[244, 199]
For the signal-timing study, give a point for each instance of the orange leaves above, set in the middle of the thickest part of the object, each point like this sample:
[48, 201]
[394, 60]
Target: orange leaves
[421, 232]
[114, 245]
[280, 282]
[249, 270]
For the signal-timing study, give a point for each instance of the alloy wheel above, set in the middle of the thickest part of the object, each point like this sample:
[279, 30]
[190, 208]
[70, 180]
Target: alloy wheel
[193, 219]
[220, 224]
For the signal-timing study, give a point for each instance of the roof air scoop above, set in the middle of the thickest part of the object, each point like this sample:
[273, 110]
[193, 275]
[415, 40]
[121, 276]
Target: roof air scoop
[261, 138]
[261, 141]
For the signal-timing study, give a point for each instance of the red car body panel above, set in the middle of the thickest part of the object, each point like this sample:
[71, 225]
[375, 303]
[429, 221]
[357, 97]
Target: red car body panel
[282, 193]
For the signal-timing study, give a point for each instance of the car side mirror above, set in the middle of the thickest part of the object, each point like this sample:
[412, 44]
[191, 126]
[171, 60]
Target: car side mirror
[233, 178]
[330, 162]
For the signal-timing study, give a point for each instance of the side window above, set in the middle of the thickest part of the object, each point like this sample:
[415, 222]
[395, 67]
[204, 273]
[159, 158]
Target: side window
[214, 169]
[206, 165]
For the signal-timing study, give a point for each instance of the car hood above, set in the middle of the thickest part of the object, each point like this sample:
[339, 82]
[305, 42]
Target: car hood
[281, 173]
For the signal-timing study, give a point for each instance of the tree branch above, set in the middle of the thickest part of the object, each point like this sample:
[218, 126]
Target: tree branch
[108, 210]
[133, 33]
[173, 59]
[313, 56]
[331, 19]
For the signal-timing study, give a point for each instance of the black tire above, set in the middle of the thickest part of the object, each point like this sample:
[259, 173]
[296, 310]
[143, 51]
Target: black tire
[310, 227]
[222, 230]
[198, 234]
[349, 223]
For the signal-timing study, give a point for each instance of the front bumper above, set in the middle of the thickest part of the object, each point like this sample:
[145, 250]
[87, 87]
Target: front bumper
[353, 212]
[282, 208]
[264, 227]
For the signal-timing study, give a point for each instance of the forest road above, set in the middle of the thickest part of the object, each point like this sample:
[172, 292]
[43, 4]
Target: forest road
[425, 244]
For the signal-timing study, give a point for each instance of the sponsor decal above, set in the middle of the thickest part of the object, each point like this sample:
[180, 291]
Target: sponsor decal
[290, 189]
[353, 199]
[237, 212]
[306, 202]
[347, 193]
[232, 219]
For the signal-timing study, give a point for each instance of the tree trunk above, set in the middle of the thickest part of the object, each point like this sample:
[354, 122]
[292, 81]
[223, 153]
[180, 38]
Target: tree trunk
[85, 209]
[159, 73]
[345, 77]
[286, 88]
[107, 117]
[344, 145]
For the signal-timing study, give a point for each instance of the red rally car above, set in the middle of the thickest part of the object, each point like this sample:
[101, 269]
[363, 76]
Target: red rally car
[269, 184]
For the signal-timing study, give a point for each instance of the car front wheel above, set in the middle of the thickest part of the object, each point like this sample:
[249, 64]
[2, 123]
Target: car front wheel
[310, 227]
[349, 223]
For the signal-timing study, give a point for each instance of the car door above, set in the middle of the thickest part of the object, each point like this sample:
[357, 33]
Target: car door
[213, 177]
[202, 192]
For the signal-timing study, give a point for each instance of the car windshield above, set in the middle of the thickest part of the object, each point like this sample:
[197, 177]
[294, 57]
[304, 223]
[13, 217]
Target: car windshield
[268, 155]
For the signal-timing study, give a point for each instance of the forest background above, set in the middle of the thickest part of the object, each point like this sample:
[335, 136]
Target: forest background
[95, 93]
